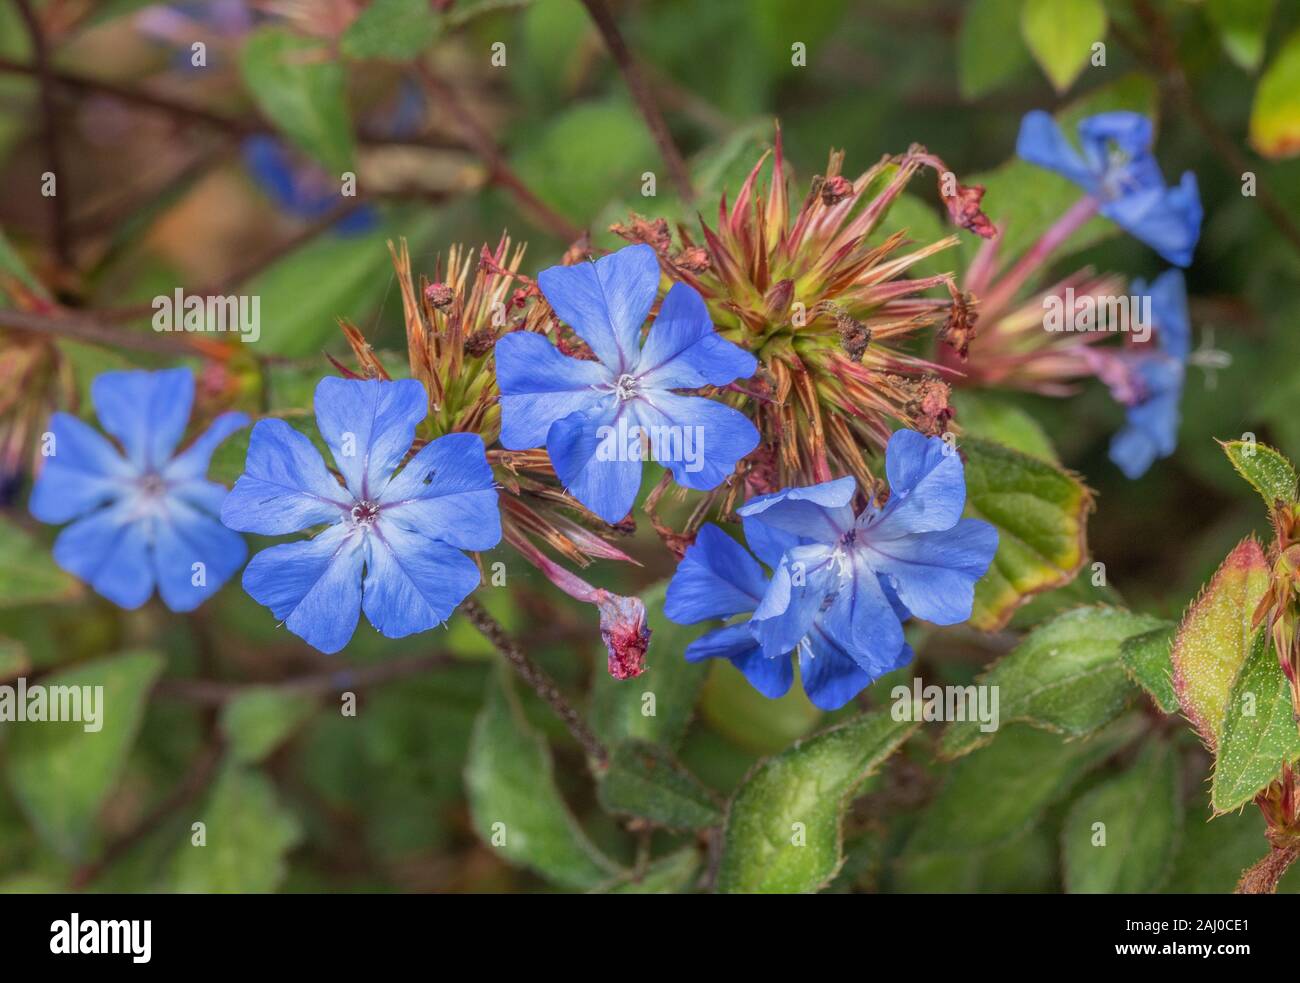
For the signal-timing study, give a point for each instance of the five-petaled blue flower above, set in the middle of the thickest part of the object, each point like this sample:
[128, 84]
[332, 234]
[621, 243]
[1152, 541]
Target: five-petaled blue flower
[148, 518]
[392, 543]
[592, 416]
[1118, 169]
[1155, 386]
[842, 585]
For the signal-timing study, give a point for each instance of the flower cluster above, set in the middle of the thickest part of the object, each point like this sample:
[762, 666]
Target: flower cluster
[841, 584]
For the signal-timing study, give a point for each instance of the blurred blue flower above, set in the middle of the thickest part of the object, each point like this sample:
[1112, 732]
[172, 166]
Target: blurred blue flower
[592, 414]
[1116, 167]
[300, 188]
[392, 543]
[842, 585]
[1153, 388]
[145, 519]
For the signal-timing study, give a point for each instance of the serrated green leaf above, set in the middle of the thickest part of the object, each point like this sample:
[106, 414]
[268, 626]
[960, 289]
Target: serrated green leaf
[1145, 658]
[299, 87]
[246, 835]
[1275, 114]
[1243, 28]
[658, 704]
[994, 795]
[646, 781]
[60, 772]
[989, 50]
[28, 573]
[1064, 677]
[1040, 512]
[1259, 734]
[1140, 810]
[1214, 638]
[260, 720]
[783, 832]
[394, 30]
[515, 805]
[1267, 470]
[1060, 35]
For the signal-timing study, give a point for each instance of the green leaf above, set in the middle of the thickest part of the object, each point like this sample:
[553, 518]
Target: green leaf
[1213, 855]
[1214, 638]
[28, 574]
[997, 419]
[515, 805]
[1275, 114]
[1040, 511]
[646, 781]
[1267, 470]
[1141, 812]
[1024, 865]
[260, 720]
[994, 795]
[13, 660]
[60, 772]
[246, 835]
[1243, 28]
[1065, 677]
[657, 705]
[672, 874]
[1060, 35]
[1146, 659]
[299, 87]
[783, 831]
[395, 30]
[989, 51]
[1259, 730]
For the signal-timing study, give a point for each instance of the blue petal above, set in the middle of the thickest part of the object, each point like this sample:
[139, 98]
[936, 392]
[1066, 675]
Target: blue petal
[832, 677]
[607, 487]
[794, 597]
[862, 620]
[1166, 219]
[1132, 133]
[539, 386]
[84, 472]
[699, 440]
[146, 411]
[285, 486]
[1169, 312]
[717, 578]
[1151, 429]
[606, 302]
[1041, 142]
[194, 460]
[109, 550]
[767, 543]
[414, 583]
[735, 643]
[446, 492]
[368, 425]
[185, 537]
[927, 486]
[682, 351]
[934, 573]
[313, 586]
[820, 513]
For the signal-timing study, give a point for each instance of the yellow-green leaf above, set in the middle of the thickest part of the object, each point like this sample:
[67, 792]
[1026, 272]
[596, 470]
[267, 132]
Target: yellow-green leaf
[1060, 35]
[1275, 114]
[1267, 470]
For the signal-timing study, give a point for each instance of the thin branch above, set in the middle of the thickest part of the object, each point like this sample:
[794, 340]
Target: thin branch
[91, 331]
[499, 170]
[1166, 56]
[533, 675]
[50, 137]
[642, 95]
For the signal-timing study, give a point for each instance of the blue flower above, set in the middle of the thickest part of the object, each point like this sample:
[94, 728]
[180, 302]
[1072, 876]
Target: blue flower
[145, 519]
[1116, 167]
[392, 543]
[299, 188]
[592, 415]
[1153, 386]
[842, 585]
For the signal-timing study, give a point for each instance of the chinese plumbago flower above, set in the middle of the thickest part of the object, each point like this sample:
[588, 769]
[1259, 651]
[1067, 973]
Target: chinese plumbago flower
[842, 585]
[391, 543]
[144, 518]
[596, 416]
[1150, 383]
[1116, 168]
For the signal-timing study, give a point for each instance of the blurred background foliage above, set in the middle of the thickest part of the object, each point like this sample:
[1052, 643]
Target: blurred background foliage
[224, 717]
